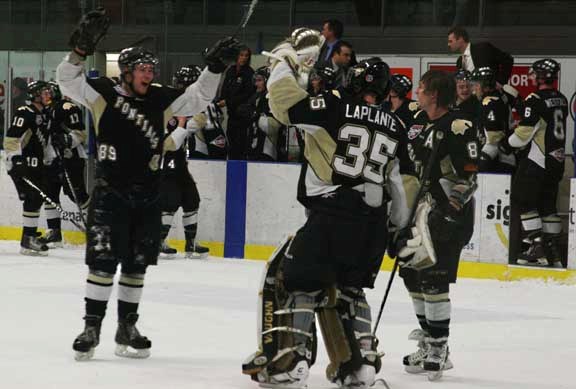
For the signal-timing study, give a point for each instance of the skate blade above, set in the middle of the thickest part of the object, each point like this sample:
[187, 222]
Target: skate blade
[128, 352]
[537, 263]
[414, 369]
[81, 356]
[434, 375]
[197, 255]
[167, 256]
[380, 383]
[283, 386]
[55, 245]
[33, 253]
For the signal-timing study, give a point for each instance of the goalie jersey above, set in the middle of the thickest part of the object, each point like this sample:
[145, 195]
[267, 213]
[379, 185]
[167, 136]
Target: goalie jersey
[349, 148]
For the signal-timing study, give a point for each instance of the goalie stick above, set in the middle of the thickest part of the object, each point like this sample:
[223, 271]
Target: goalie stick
[245, 18]
[51, 202]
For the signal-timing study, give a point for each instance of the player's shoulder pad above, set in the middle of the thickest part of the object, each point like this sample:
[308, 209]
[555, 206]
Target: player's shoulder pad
[336, 93]
[25, 108]
[533, 95]
[489, 99]
[413, 106]
[157, 85]
[68, 106]
[460, 126]
[419, 113]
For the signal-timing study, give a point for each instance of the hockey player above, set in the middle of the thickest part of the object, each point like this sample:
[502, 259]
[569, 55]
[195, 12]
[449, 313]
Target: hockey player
[352, 150]
[400, 104]
[465, 101]
[65, 165]
[178, 186]
[265, 130]
[124, 218]
[24, 145]
[321, 79]
[445, 150]
[542, 129]
[493, 122]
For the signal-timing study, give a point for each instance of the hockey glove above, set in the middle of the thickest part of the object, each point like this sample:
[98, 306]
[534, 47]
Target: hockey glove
[62, 140]
[504, 146]
[90, 30]
[223, 53]
[398, 238]
[19, 167]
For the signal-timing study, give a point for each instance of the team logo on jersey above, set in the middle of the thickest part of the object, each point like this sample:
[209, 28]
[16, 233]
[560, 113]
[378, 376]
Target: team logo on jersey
[558, 154]
[172, 122]
[414, 131]
[219, 141]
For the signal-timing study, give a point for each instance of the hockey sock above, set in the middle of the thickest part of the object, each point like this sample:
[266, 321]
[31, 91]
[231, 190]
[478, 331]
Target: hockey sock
[130, 289]
[190, 223]
[419, 309]
[98, 290]
[437, 308]
[551, 224]
[30, 222]
[52, 217]
[167, 218]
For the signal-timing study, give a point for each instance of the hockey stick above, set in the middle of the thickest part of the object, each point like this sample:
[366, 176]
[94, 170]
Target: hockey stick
[245, 18]
[51, 202]
[69, 182]
[423, 190]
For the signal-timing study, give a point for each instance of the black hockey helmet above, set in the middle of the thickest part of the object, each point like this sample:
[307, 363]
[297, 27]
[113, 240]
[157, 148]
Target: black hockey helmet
[132, 56]
[462, 75]
[186, 75]
[35, 89]
[55, 89]
[324, 73]
[262, 71]
[485, 76]
[370, 76]
[401, 84]
[546, 69]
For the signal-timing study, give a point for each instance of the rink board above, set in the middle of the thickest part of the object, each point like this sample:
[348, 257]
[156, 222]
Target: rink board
[248, 208]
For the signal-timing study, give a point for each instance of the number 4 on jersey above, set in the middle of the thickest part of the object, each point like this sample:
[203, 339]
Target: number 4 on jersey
[369, 154]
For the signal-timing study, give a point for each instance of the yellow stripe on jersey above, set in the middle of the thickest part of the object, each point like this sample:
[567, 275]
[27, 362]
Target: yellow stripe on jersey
[319, 151]
[284, 94]
[97, 109]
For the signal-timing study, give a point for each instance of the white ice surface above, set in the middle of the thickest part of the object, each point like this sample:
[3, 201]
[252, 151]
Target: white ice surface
[201, 319]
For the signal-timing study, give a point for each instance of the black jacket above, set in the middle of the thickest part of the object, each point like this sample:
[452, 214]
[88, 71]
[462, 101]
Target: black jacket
[486, 54]
[237, 87]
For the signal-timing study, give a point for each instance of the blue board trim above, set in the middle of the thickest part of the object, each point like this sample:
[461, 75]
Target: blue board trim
[235, 220]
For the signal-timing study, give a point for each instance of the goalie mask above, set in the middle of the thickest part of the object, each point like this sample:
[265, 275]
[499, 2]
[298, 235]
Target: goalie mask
[371, 76]
[185, 76]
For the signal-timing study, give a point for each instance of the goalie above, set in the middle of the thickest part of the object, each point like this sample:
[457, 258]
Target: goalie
[355, 154]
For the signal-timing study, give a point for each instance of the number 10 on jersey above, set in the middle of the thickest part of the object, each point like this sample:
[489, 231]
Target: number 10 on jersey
[369, 153]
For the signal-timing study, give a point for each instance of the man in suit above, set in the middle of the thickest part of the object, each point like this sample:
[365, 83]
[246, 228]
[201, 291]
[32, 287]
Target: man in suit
[478, 55]
[340, 62]
[332, 31]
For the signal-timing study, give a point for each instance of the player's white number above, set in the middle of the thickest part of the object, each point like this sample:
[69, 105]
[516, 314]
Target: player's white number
[32, 161]
[74, 119]
[527, 112]
[491, 116]
[472, 150]
[559, 124]
[378, 147]
[18, 121]
[106, 152]
[171, 164]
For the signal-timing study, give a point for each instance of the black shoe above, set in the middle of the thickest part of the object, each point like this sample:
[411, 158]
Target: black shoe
[30, 245]
[167, 251]
[196, 251]
[129, 342]
[52, 238]
[86, 342]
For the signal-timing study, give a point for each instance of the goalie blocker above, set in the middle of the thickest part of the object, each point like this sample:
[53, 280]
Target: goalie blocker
[287, 342]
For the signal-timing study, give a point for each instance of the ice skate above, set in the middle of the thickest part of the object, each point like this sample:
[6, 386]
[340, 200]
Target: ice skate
[166, 251]
[413, 363]
[534, 255]
[86, 342]
[295, 378]
[30, 245]
[195, 251]
[52, 238]
[437, 359]
[129, 342]
[551, 251]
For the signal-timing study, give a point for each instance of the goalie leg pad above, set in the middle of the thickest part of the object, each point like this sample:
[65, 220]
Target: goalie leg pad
[287, 339]
[346, 329]
[419, 253]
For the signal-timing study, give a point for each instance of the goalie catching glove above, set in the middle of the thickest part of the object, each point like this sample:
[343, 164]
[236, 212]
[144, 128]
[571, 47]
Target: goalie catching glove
[222, 54]
[90, 30]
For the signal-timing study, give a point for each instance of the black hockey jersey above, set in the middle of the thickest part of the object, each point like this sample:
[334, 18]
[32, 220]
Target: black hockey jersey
[130, 129]
[543, 128]
[27, 136]
[66, 116]
[407, 111]
[457, 154]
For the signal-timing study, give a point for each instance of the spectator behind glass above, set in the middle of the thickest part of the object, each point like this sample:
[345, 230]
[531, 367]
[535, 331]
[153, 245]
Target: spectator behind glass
[340, 62]
[332, 31]
[237, 88]
[19, 93]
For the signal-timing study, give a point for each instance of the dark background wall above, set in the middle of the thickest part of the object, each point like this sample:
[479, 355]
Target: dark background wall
[374, 26]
